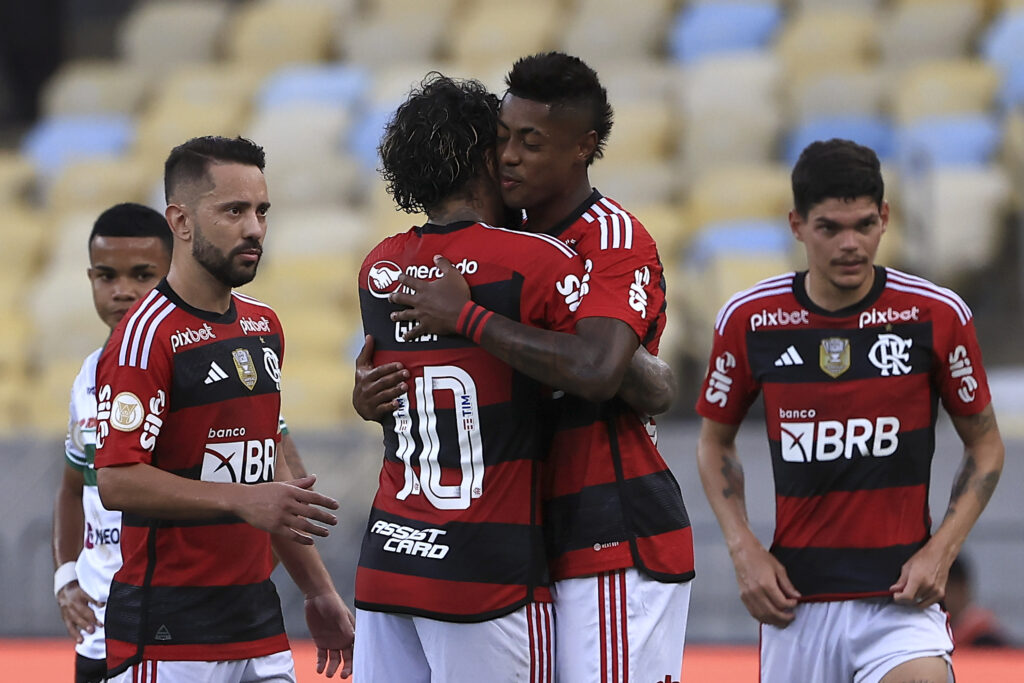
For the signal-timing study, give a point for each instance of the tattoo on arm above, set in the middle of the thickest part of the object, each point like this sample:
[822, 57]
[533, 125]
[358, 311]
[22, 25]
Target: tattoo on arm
[732, 470]
[985, 486]
[963, 479]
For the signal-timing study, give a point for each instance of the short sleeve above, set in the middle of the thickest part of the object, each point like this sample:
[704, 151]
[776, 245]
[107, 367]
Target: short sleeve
[961, 378]
[554, 287]
[729, 387]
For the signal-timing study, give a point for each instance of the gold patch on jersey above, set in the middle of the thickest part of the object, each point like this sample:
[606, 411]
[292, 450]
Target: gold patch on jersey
[245, 367]
[127, 412]
[834, 356]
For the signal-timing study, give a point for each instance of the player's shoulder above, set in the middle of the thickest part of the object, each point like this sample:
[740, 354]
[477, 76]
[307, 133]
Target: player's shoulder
[531, 243]
[607, 224]
[743, 304]
[941, 301]
[388, 248]
[138, 333]
[249, 307]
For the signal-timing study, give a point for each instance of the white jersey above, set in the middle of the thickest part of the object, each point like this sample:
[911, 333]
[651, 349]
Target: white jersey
[101, 545]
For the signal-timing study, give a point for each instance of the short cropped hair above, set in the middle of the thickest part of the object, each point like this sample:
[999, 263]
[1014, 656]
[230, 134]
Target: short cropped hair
[437, 141]
[836, 169]
[190, 161]
[132, 220]
[564, 81]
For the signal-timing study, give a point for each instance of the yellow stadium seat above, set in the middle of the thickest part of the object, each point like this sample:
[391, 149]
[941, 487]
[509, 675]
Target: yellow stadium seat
[319, 332]
[753, 79]
[526, 27]
[17, 176]
[637, 79]
[912, 30]
[26, 235]
[739, 192]
[642, 130]
[101, 183]
[15, 335]
[728, 138]
[210, 84]
[616, 30]
[961, 86]
[51, 394]
[317, 232]
[271, 33]
[159, 36]
[666, 223]
[847, 91]
[316, 393]
[636, 181]
[161, 130]
[92, 87]
[1013, 153]
[379, 40]
[827, 37]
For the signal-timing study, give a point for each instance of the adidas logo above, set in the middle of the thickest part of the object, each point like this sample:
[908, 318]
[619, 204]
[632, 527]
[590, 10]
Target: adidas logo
[162, 633]
[789, 357]
[216, 374]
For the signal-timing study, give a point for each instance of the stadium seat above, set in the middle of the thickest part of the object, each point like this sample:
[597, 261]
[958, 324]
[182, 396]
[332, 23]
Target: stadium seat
[527, 27]
[740, 192]
[365, 134]
[17, 176]
[754, 82]
[336, 84]
[912, 31]
[101, 183]
[393, 32]
[636, 181]
[643, 129]
[161, 130]
[26, 236]
[724, 138]
[316, 393]
[208, 84]
[944, 87]
[667, 224]
[828, 37]
[318, 232]
[702, 29]
[802, 5]
[56, 141]
[95, 88]
[271, 33]
[1013, 153]
[947, 140]
[611, 30]
[732, 238]
[641, 79]
[1002, 43]
[847, 91]
[871, 131]
[160, 36]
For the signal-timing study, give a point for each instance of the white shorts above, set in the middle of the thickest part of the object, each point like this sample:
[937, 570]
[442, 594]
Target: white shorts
[619, 626]
[94, 645]
[852, 640]
[516, 648]
[275, 668]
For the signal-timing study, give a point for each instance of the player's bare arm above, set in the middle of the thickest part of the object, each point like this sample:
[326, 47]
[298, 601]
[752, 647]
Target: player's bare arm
[330, 622]
[649, 385]
[922, 580]
[377, 388]
[590, 363]
[284, 508]
[68, 525]
[765, 587]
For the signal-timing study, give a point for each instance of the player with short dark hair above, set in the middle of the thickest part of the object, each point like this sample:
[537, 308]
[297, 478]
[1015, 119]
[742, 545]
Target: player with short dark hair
[129, 253]
[851, 377]
[188, 403]
[618, 535]
[452, 582]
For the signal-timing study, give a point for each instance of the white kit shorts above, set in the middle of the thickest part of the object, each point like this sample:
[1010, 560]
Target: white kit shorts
[275, 668]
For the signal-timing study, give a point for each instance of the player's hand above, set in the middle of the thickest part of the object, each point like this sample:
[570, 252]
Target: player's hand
[433, 305]
[286, 508]
[922, 579]
[765, 587]
[376, 389]
[76, 612]
[333, 629]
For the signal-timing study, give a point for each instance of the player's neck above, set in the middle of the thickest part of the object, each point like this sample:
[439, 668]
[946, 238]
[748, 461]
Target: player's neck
[198, 288]
[544, 217]
[826, 295]
[455, 214]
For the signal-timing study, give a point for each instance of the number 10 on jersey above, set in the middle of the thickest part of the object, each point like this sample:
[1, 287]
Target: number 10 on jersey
[467, 425]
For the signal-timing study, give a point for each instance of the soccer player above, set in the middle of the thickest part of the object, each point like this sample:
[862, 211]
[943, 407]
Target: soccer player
[452, 582]
[852, 360]
[617, 531]
[188, 404]
[129, 253]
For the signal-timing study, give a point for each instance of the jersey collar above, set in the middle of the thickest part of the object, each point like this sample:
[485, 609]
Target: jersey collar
[435, 229]
[800, 292]
[558, 228]
[228, 317]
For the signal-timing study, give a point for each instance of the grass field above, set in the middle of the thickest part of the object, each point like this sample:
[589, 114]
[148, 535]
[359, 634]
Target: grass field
[52, 661]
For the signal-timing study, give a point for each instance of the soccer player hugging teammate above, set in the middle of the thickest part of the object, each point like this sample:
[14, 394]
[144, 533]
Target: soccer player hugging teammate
[852, 359]
[188, 403]
[129, 253]
[452, 582]
[617, 532]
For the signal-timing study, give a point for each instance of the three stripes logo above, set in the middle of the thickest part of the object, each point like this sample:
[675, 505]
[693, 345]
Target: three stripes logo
[789, 357]
[215, 374]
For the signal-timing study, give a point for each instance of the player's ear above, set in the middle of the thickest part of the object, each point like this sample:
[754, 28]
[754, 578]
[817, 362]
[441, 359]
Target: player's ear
[796, 221]
[491, 163]
[587, 146]
[178, 220]
[883, 214]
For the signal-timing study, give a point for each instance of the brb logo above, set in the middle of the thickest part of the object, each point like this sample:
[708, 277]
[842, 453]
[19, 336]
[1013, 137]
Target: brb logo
[238, 462]
[829, 440]
[891, 354]
[777, 318]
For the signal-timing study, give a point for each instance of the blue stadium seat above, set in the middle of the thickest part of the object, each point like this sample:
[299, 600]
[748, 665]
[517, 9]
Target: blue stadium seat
[707, 28]
[56, 141]
[365, 134]
[335, 84]
[1003, 41]
[738, 238]
[1011, 91]
[962, 140]
[871, 131]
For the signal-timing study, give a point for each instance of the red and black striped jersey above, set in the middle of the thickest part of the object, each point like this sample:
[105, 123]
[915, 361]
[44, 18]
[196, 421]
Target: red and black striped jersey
[851, 399]
[611, 502]
[196, 394]
[454, 532]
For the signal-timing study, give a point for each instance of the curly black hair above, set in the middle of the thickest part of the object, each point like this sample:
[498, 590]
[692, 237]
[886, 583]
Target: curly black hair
[564, 81]
[437, 141]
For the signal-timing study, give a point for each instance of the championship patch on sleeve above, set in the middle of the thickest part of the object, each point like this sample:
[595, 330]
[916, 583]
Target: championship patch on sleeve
[126, 413]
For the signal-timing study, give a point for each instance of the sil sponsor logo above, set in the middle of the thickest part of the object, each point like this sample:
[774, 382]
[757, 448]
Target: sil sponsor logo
[960, 368]
[719, 381]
